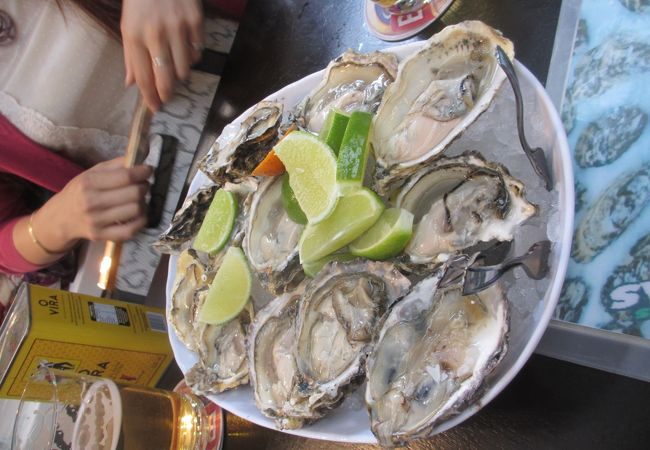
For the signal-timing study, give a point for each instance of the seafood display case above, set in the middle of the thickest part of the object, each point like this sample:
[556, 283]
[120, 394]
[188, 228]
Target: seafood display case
[598, 80]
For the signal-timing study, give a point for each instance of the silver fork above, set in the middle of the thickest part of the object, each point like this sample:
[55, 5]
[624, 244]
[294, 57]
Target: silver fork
[535, 155]
[534, 262]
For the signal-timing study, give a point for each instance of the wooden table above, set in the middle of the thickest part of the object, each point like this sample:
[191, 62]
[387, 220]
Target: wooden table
[550, 404]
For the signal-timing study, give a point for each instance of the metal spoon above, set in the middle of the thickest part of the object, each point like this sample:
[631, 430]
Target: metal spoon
[535, 155]
[534, 263]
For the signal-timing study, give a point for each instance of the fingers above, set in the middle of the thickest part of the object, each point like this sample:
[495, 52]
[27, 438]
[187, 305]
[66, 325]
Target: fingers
[162, 38]
[120, 231]
[120, 214]
[181, 50]
[111, 178]
[163, 64]
[108, 199]
[128, 78]
[195, 32]
[144, 75]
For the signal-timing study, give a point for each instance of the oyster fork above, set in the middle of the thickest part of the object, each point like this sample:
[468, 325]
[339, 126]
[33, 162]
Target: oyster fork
[535, 155]
[534, 262]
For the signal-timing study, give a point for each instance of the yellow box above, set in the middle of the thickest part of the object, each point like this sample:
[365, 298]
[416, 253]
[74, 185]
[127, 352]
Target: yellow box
[122, 341]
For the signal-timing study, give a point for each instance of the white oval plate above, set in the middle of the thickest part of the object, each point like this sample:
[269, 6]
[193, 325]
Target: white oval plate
[532, 303]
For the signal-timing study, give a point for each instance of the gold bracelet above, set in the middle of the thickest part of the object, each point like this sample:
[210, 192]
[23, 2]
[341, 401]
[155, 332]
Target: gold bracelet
[30, 229]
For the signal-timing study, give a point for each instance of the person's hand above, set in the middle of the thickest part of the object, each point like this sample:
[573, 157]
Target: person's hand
[106, 202]
[162, 39]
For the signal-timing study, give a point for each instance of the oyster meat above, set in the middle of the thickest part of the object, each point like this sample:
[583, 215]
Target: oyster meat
[307, 347]
[273, 371]
[241, 147]
[222, 355]
[271, 239]
[336, 326]
[438, 93]
[186, 297]
[433, 353]
[459, 202]
[352, 82]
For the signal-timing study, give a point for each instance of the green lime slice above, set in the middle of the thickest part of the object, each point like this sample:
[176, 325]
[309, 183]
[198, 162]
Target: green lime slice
[353, 155]
[229, 291]
[217, 224]
[312, 173]
[290, 203]
[334, 128]
[387, 237]
[311, 269]
[353, 215]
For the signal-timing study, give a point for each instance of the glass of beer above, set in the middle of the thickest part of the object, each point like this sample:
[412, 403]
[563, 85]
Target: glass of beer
[65, 410]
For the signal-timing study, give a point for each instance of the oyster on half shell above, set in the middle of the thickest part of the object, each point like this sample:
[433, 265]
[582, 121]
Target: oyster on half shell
[186, 222]
[439, 92]
[336, 327]
[222, 355]
[188, 219]
[457, 203]
[191, 282]
[272, 364]
[304, 364]
[241, 147]
[352, 82]
[271, 239]
[433, 353]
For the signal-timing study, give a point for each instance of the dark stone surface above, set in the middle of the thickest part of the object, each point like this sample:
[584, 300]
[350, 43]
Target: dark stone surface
[550, 405]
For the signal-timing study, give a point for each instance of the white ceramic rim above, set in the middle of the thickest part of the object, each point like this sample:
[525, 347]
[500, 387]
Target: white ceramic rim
[562, 170]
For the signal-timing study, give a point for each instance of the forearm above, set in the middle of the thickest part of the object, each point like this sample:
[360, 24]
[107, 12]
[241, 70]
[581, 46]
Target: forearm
[40, 238]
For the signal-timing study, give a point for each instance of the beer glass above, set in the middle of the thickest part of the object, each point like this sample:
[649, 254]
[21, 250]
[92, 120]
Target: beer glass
[65, 410]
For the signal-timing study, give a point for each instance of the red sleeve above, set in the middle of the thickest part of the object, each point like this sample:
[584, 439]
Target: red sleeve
[11, 261]
[12, 208]
[30, 161]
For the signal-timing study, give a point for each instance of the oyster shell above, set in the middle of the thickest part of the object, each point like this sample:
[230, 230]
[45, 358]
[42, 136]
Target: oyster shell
[186, 222]
[222, 355]
[222, 351]
[188, 219]
[271, 239]
[307, 347]
[336, 327]
[273, 370]
[439, 92]
[433, 353]
[352, 82]
[457, 203]
[186, 300]
[241, 147]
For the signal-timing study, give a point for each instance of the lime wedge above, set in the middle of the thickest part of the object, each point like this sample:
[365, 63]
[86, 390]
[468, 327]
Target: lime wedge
[353, 215]
[387, 237]
[312, 173]
[290, 203]
[334, 128]
[217, 223]
[311, 269]
[353, 155]
[229, 291]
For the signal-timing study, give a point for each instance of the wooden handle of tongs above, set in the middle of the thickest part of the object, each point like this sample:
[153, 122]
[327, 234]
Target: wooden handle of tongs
[113, 250]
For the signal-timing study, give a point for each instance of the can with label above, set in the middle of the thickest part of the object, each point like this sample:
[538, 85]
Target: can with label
[89, 335]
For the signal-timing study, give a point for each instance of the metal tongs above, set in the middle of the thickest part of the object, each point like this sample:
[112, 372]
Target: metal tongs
[476, 278]
[535, 155]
